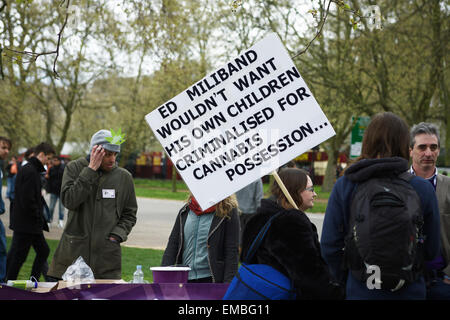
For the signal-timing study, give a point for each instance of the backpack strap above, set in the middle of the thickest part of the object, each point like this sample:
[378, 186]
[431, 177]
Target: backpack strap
[259, 238]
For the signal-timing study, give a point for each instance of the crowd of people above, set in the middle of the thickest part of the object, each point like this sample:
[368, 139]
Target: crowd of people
[385, 214]
[415, 265]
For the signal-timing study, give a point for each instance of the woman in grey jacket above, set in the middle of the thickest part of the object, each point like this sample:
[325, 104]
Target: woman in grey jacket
[205, 240]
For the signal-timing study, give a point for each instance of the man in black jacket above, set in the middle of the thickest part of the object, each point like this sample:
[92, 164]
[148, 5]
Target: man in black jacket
[27, 218]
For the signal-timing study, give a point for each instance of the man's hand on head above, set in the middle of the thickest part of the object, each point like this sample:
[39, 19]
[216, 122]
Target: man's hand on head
[97, 155]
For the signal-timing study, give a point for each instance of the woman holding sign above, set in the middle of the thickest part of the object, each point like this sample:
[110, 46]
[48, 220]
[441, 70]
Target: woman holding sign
[291, 245]
[205, 240]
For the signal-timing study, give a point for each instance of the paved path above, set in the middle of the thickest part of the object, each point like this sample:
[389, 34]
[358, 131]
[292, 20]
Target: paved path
[155, 219]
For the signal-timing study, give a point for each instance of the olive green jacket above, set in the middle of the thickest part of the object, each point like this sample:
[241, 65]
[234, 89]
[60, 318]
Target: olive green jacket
[443, 196]
[101, 204]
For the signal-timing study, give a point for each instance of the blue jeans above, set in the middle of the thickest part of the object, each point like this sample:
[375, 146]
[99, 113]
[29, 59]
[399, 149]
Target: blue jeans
[2, 204]
[10, 183]
[2, 252]
[3, 249]
[53, 199]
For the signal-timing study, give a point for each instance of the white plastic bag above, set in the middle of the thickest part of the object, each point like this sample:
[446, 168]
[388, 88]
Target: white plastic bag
[79, 272]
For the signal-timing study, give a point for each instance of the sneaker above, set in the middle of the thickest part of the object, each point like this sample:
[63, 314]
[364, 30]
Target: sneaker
[61, 224]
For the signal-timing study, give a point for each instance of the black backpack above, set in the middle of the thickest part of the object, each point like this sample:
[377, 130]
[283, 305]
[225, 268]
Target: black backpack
[385, 232]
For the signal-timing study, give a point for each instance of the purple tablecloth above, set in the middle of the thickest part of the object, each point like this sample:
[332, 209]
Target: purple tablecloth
[163, 291]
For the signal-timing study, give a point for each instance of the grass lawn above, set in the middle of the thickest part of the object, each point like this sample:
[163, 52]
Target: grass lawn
[160, 189]
[130, 258]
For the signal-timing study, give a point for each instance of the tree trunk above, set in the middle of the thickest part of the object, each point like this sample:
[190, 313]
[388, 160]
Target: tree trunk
[330, 172]
[447, 136]
[64, 132]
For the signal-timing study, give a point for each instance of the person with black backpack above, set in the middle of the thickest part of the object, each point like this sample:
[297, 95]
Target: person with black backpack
[381, 223]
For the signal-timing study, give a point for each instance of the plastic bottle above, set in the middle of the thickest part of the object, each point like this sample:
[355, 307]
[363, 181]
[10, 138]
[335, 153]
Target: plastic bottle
[138, 275]
[22, 284]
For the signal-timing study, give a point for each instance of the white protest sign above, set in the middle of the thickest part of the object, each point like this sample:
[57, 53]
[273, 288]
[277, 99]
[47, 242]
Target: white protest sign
[239, 123]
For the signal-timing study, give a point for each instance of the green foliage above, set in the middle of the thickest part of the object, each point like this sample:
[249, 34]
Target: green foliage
[24, 1]
[171, 44]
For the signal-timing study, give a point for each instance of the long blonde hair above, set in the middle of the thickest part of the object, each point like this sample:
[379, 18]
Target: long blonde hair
[224, 207]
